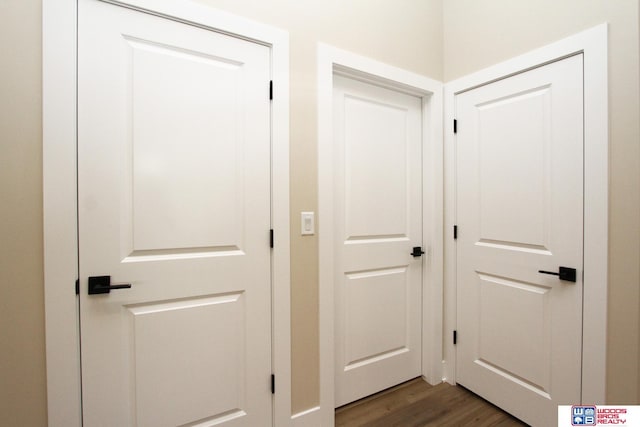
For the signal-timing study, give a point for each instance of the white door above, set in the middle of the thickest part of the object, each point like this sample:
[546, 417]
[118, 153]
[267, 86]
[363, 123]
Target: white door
[519, 175]
[174, 184]
[378, 217]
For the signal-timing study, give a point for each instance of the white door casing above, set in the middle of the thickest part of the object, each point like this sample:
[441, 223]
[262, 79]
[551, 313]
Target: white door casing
[519, 146]
[378, 218]
[59, 28]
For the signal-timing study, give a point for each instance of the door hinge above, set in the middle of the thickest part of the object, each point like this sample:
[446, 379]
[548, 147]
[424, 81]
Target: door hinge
[455, 337]
[270, 89]
[273, 384]
[77, 286]
[455, 126]
[455, 232]
[271, 238]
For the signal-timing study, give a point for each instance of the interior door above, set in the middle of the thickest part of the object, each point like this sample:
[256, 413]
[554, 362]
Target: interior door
[378, 217]
[174, 199]
[519, 216]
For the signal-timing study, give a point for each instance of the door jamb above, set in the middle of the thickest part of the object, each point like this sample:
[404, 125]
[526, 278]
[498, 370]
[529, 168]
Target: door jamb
[330, 61]
[593, 44]
[59, 33]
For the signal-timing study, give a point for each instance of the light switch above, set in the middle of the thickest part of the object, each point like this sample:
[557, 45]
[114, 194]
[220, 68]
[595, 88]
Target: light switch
[307, 223]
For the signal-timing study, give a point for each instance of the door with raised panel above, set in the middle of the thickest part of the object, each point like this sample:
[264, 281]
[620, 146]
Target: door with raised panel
[378, 217]
[173, 199]
[519, 176]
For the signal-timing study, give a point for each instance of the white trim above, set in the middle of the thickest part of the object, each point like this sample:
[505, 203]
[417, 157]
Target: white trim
[593, 44]
[59, 204]
[307, 418]
[281, 285]
[60, 183]
[330, 60]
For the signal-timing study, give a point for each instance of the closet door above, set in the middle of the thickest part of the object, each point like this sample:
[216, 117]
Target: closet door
[519, 185]
[174, 200]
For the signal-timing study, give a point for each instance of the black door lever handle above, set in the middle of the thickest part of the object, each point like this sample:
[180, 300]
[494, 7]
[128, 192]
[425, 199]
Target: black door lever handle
[102, 285]
[417, 251]
[565, 273]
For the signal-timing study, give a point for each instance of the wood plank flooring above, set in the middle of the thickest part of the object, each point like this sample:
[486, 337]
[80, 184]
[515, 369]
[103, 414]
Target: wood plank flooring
[418, 404]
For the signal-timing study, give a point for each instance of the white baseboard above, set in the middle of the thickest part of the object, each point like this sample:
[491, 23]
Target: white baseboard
[307, 418]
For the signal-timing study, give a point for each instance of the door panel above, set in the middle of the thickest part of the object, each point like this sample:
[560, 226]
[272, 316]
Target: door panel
[378, 220]
[519, 210]
[174, 198]
[169, 178]
[375, 158]
[517, 170]
[164, 374]
[379, 326]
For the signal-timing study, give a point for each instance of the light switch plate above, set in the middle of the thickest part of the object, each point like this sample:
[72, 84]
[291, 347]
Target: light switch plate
[307, 223]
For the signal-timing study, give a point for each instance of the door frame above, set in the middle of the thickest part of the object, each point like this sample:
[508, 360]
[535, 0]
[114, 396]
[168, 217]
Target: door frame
[331, 60]
[59, 36]
[592, 43]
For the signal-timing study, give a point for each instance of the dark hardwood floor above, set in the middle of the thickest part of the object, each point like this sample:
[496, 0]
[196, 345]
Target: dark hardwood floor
[417, 404]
